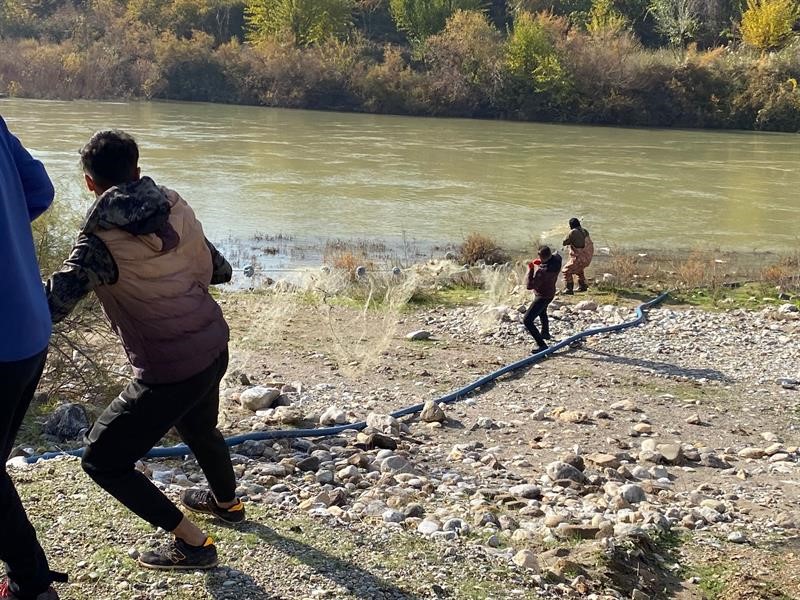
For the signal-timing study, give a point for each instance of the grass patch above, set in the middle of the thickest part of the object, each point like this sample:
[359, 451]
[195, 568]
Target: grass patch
[448, 297]
[713, 579]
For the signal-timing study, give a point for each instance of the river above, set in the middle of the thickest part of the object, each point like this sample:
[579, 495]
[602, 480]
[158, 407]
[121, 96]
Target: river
[249, 171]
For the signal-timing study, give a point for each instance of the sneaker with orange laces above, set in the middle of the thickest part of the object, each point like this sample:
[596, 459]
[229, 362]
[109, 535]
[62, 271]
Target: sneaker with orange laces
[178, 554]
[203, 501]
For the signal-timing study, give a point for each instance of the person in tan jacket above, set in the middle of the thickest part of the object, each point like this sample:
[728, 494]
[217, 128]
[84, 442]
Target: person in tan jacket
[581, 251]
[143, 253]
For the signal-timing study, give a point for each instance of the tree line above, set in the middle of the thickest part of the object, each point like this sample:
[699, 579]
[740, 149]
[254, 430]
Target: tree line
[686, 63]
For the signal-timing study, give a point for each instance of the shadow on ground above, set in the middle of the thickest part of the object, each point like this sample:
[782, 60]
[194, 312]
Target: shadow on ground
[656, 366]
[244, 587]
[341, 573]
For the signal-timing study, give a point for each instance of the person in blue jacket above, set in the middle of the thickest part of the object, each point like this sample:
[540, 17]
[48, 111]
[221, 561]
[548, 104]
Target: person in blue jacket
[25, 193]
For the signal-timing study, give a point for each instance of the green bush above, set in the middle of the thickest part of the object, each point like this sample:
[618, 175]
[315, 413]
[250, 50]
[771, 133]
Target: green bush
[305, 21]
[422, 18]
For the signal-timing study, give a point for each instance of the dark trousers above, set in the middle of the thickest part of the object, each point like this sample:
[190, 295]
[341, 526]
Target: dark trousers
[538, 308]
[28, 570]
[136, 420]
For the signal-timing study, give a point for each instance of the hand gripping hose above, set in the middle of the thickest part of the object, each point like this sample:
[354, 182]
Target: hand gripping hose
[182, 450]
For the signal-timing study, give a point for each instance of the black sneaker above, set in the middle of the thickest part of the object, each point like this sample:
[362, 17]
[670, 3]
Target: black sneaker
[547, 336]
[203, 501]
[537, 349]
[583, 288]
[180, 555]
[567, 291]
[7, 594]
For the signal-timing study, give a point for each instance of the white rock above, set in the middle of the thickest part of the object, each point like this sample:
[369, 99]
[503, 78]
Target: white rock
[428, 527]
[419, 335]
[737, 537]
[258, 397]
[333, 415]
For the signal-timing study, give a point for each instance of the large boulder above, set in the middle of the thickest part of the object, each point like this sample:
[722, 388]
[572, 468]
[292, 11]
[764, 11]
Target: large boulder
[67, 422]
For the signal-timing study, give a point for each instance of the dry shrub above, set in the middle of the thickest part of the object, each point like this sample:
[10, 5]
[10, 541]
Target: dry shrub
[347, 261]
[624, 268]
[699, 269]
[481, 248]
[85, 362]
[391, 86]
[784, 274]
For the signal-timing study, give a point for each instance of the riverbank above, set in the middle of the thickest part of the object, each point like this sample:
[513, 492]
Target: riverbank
[658, 462]
[550, 71]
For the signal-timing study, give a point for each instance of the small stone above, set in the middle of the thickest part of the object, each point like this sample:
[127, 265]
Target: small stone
[694, 420]
[527, 560]
[309, 464]
[558, 471]
[586, 305]
[632, 493]
[737, 537]
[432, 413]
[428, 527]
[670, 452]
[333, 415]
[604, 461]
[396, 464]
[625, 405]
[417, 336]
[383, 423]
[379, 440]
[571, 416]
[258, 397]
[751, 452]
[393, 516]
[485, 423]
[527, 491]
[639, 595]
[709, 459]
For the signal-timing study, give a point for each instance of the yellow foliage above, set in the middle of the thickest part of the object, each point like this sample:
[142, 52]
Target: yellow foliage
[767, 24]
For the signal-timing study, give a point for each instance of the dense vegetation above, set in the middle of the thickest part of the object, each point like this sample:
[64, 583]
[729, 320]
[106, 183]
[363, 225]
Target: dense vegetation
[689, 63]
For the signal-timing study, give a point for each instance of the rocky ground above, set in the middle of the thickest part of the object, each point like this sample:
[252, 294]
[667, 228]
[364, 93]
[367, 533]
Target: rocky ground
[660, 462]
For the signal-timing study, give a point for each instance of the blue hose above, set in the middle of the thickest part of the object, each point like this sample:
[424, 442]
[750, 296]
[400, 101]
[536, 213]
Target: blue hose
[182, 450]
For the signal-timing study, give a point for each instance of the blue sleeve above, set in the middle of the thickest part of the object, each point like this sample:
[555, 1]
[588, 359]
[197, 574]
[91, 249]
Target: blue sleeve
[36, 183]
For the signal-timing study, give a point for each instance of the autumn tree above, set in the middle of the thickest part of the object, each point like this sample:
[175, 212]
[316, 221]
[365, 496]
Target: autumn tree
[767, 24]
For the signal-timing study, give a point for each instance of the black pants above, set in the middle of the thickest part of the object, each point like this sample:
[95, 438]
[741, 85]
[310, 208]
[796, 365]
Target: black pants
[28, 570]
[136, 420]
[538, 308]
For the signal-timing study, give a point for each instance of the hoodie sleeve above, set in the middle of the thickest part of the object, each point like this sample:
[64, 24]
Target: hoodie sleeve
[36, 183]
[222, 272]
[90, 265]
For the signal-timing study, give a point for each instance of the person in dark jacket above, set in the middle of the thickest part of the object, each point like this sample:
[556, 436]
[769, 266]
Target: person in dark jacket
[144, 255]
[25, 193]
[543, 280]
